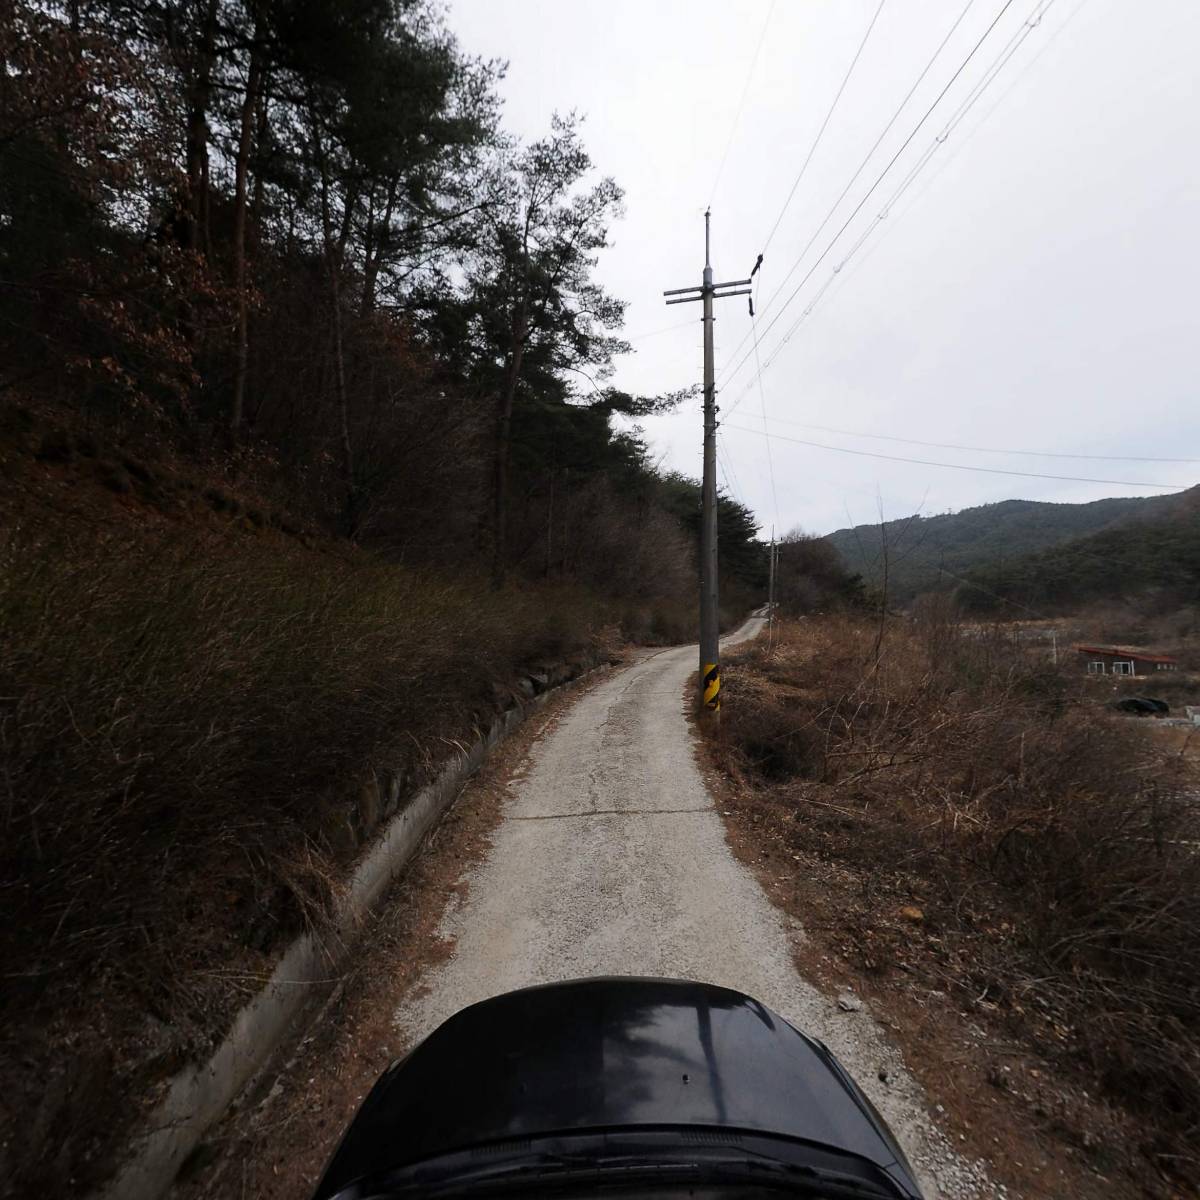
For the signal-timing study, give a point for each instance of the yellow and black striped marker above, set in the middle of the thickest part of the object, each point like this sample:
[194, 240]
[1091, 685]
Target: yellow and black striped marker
[712, 687]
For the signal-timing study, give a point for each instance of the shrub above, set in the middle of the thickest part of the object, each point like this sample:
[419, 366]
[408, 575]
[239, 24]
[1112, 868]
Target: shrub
[185, 723]
[1021, 805]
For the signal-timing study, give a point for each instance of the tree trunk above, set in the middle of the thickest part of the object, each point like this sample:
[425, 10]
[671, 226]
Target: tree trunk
[261, 118]
[339, 368]
[550, 526]
[373, 250]
[199, 98]
[334, 257]
[239, 244]
[503, 444]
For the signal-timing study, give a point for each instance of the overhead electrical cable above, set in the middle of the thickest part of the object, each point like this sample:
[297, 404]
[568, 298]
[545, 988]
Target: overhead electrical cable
[724, 473]
[894, 221]
[641, 337]
[979, 587]
[914, 171]
[762, 396]
[731, 479]
[824, 124]
[961, 142]
[965, 106]
[867, 158]
[868, 194]
[737, 116]
[924, 158]
[887, 437]
[924, 462]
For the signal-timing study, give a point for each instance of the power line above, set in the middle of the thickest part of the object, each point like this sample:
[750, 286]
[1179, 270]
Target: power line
[924, 462]
[963, 141]
[870, 191]
[742, 102]
[762, 397]
[730, 474]
[724, 473]
[930, 565]
[641, 337]
[828, 116]
[973, 96]
[989, 74]
[995, 595]
[956, 118]
[867, 158]
[886, 437]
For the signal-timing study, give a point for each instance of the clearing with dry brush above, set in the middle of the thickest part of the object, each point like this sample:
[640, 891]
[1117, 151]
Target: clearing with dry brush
[1037, 856]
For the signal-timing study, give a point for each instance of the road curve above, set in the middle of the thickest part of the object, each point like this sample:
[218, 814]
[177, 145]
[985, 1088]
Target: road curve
[611, 860]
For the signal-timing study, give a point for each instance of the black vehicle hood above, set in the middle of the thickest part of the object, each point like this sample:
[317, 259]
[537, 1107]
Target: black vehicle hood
[615, 1053]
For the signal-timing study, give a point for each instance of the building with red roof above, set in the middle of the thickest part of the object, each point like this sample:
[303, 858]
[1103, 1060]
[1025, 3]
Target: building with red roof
[1125, 660]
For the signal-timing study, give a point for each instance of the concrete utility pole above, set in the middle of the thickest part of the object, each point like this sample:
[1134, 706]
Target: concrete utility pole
[710, 662]
[771, 588]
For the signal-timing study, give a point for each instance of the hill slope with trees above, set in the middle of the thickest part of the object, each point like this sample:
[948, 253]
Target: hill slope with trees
[1152, 563]
[917, 554]
[309, 454]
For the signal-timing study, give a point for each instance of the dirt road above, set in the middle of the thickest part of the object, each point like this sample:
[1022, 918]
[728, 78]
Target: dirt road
[611, 859]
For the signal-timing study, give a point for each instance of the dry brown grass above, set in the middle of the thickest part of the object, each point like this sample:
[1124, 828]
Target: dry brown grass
[1054, 846]
[185, 722]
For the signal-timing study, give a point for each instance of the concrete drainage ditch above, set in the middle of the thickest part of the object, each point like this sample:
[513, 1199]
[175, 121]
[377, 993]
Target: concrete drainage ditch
[199, 1095]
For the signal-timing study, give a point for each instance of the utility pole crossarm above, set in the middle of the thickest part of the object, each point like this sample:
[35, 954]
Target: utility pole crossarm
[711, 287]
[714, 291]
[710, 662]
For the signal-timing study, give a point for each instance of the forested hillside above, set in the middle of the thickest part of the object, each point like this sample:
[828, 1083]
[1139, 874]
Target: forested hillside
[1151, 563]
[925, 553]
[309, 457]
[295, 239]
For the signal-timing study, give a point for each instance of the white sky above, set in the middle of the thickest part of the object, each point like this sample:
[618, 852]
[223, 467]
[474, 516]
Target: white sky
[1035, 288]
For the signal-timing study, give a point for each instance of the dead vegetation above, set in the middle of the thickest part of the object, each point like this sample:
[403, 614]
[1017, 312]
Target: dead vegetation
[275, 1142]
[189, 724]
[207, 706]
[1044, 852]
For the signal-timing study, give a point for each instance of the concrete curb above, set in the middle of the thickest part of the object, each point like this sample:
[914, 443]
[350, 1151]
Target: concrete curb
[200, 1095]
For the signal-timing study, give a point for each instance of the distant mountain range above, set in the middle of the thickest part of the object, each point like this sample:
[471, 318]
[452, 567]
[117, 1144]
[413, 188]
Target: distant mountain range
[1115, 545]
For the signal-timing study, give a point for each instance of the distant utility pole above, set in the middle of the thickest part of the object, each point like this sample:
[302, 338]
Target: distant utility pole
[710, 661]
[771, 590]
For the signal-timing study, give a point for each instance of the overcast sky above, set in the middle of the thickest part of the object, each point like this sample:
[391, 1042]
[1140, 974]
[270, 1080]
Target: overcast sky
[1034, 289]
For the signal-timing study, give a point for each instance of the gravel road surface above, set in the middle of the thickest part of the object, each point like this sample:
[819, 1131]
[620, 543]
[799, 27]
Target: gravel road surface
[611, 859]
